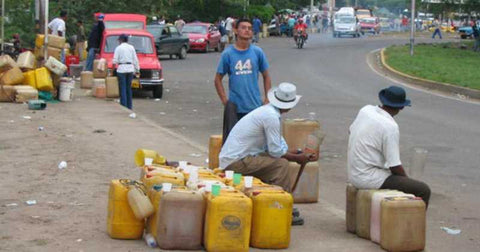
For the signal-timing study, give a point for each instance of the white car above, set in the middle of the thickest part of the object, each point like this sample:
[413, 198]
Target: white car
[346, 25]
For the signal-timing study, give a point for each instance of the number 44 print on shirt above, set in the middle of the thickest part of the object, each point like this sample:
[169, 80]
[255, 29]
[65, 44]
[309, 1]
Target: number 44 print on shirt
[243, 68]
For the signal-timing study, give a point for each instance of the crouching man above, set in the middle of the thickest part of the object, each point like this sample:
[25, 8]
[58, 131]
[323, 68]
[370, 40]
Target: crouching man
[255, 146]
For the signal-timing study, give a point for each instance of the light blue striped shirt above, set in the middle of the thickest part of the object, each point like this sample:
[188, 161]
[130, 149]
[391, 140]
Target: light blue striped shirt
[257, 132]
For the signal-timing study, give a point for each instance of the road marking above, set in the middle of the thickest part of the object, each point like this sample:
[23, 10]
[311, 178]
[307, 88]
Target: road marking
[415, 87]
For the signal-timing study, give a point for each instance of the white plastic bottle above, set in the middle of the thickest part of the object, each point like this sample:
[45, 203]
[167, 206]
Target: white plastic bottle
[150, 240]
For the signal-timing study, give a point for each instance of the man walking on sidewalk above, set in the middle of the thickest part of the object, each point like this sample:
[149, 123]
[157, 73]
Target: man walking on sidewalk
[80, 45]
[374, 148]
[94, 40]
[242, 62]
[436, 24]
[126, 59]
[476, 36]
[257, 26]
[256, 147]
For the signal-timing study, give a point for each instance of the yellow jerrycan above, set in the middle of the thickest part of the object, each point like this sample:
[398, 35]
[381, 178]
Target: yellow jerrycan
[350, 213]
[151, 179]
[121, 221]
[155, 194]
[363, 211]
[214, 147]
[155, 169]
[403, 224]
[271, 219]
[227, 222]
[180, 220]
[139, 202]
[141, 154]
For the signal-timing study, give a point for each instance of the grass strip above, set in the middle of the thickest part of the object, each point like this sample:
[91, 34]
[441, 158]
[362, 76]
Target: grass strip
[445, 62]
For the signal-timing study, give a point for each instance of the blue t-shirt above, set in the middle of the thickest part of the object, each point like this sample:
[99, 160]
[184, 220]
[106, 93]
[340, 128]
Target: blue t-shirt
[257, 25]
[242, 68]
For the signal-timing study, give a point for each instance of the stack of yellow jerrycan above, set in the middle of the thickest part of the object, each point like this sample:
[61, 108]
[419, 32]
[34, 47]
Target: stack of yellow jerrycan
[180, 219]
[227, 221]
[403, 224]
[121, 221]
[271, 217]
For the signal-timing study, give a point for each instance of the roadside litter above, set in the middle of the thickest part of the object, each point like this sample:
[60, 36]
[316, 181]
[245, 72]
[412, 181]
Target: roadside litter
[31, 202]
[62, 165]
[451, 231]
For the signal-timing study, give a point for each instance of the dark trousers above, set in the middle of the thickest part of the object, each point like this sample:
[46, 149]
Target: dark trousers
[125, 85]
[408, 185]
[437, 31]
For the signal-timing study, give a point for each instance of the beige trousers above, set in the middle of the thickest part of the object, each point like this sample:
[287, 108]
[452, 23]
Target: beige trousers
[79, 49]
[269, 169]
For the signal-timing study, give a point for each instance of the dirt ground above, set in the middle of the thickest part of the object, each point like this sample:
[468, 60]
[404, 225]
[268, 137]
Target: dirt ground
[98, 140]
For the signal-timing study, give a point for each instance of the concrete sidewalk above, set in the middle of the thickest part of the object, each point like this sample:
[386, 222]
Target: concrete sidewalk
[98, 140]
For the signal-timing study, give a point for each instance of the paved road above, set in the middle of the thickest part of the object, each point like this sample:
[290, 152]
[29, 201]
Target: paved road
[335, 80]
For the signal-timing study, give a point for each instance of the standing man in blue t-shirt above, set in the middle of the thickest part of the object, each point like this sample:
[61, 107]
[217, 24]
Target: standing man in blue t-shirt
[242, 62]
[257, 27]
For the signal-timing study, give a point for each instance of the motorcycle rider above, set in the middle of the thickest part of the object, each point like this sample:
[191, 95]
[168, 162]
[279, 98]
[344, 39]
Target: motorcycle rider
[300, 28]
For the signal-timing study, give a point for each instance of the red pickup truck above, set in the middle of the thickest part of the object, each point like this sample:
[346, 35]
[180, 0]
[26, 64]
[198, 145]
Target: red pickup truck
[134, 25]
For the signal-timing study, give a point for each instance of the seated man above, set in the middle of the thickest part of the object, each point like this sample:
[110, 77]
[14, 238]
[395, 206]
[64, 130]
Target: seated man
[373, 147]
[255, 146]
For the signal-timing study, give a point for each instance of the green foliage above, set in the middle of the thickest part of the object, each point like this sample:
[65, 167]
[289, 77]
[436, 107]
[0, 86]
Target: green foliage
[20, 13]
[439, 62]
[264, 13]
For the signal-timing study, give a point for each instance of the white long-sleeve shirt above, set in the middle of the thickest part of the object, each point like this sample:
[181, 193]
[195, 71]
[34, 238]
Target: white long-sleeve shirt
[257, 132]
[126, 59]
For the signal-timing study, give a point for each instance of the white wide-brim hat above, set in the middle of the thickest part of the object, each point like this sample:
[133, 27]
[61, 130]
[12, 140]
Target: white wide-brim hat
[284, 96]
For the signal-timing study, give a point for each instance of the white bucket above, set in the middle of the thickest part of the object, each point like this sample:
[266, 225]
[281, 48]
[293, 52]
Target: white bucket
[66, 93]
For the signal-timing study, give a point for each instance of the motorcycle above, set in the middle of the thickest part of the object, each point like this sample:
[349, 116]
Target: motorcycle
[300, 38]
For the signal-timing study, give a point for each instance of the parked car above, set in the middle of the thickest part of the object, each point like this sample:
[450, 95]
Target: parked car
[467, 31]
[202, 36]
[272, 29]
[370, 25]
[150, 68]
[346, 25]
[169, 41]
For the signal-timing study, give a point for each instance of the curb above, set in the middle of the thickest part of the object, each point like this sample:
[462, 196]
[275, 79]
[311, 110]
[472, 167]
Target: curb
[429, 84]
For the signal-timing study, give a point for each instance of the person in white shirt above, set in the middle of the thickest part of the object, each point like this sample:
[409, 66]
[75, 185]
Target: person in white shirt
[255, 146]
[229, 23]
[57, 25]
[373, 147]
[126, 59]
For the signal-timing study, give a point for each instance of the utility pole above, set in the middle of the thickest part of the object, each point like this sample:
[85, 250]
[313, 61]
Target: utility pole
[412, 27]
[311, 5]
[3, 25]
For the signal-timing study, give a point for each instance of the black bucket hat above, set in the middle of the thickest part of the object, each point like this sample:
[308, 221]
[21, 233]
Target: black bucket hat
[394, 97]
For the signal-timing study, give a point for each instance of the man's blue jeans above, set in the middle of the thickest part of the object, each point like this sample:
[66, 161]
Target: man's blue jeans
[125, 85]
[437, 31]
[90, 58]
